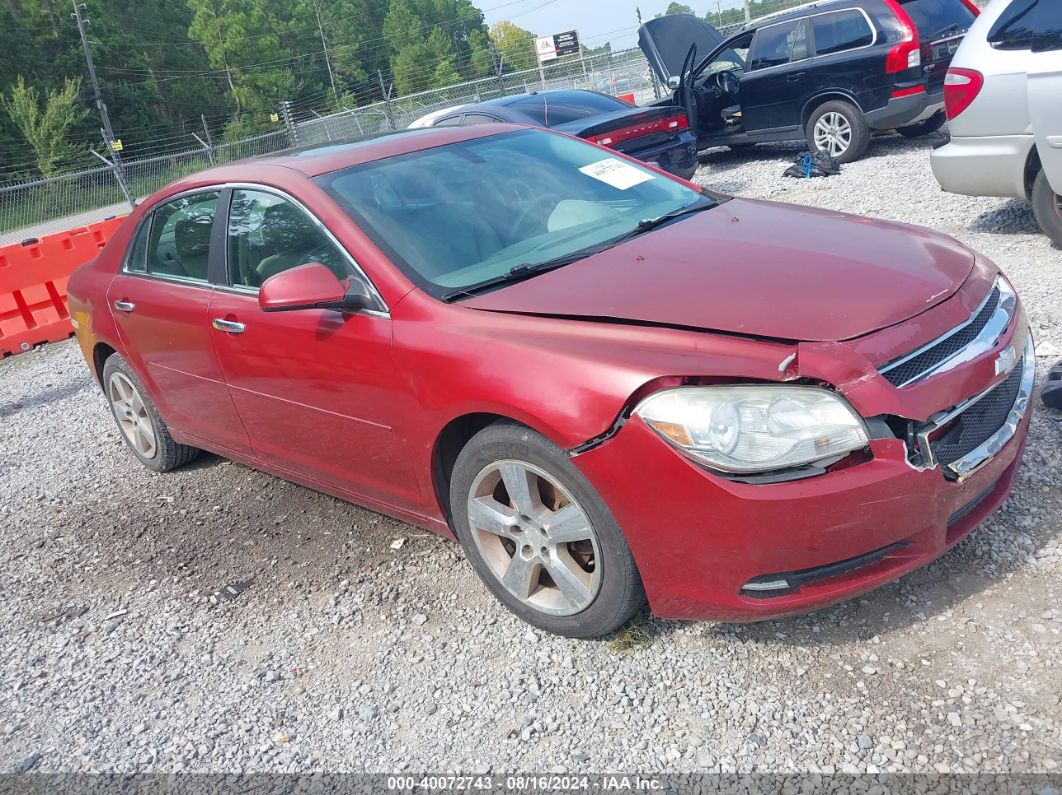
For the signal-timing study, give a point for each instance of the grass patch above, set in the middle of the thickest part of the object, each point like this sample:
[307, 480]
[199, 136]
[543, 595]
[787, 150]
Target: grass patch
[633, 636]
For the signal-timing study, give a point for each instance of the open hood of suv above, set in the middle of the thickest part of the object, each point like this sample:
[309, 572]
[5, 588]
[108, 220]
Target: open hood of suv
[666, 40]
[754, 268]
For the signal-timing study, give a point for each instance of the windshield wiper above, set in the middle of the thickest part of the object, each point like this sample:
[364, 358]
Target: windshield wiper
[527, 270]
[649, 224]
[520, 272]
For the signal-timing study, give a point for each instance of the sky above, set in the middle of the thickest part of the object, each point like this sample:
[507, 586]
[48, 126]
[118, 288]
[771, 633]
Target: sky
[597, 21]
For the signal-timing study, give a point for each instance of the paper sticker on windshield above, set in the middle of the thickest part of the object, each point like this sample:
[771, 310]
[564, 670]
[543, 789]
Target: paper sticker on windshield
[617, 173]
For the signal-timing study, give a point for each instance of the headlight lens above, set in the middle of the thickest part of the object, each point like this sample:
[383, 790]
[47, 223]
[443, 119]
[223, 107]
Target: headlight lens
[745, 429]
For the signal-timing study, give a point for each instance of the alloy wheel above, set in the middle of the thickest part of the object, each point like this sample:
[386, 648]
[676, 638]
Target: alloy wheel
[132, 415]
[833, 133]
[535, 538]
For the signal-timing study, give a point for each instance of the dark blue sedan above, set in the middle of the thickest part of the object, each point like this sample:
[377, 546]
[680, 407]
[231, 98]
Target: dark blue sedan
[657, 135]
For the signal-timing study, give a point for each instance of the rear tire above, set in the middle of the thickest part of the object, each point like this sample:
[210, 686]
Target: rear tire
[540, 537]
[926, 127]
[1047, 207]
[838, 127]
[142, 429]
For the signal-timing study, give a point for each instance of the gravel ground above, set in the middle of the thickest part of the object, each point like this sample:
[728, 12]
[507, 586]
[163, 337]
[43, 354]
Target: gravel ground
[350, 651]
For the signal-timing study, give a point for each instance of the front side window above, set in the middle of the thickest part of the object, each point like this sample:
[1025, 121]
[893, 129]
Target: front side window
[179, 243]
[267, 234]
[459, 215]
[779, 44]
[840, 31]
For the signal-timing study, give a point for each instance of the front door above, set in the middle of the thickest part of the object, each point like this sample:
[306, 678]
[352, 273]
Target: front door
[159, 301]
[775, 82]
[315, 388]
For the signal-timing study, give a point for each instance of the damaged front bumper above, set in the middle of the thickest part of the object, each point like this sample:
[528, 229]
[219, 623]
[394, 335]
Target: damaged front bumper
[711, 547]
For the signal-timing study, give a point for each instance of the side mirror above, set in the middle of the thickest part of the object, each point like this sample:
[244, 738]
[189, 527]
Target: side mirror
[312, 286]
[673, 82]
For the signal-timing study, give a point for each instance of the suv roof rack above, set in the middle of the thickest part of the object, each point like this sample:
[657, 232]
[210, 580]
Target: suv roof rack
[793, 10]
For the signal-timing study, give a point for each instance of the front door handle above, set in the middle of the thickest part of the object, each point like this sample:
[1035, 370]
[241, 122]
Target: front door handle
[124, 306]
[229, 326]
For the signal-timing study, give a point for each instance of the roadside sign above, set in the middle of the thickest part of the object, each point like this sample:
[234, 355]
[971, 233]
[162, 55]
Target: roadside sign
[116, 145]
[274, 117]
[557, 46]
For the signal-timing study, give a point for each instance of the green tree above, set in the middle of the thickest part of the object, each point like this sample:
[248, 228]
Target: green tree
[514, 45]
[678, 8]
[46, 128]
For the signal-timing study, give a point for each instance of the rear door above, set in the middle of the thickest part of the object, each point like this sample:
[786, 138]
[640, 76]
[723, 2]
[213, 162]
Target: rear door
[775, 83]
[1045, 89]
[941, 26]
[159, 301]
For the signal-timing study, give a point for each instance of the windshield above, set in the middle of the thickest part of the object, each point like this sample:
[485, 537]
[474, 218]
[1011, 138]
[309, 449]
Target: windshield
[470, 212]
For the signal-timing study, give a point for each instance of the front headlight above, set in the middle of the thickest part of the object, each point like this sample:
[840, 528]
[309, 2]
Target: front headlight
[746, 429]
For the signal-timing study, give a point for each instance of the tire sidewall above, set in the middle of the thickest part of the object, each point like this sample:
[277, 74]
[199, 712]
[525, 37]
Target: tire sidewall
[620, 594]
[116, 364]
[860, 132]
[1046, 210]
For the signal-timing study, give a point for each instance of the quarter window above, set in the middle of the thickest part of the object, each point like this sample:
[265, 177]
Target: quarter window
[840, 31]
[136, 259]
[779, 44]
[1014, 29]
[268, 234]
[179, 244]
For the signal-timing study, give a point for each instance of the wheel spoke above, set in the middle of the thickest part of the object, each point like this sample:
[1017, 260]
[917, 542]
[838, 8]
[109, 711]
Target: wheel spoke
[521, 489]
[565, 574]
[486, 513]
[521, 576]
[567, 525]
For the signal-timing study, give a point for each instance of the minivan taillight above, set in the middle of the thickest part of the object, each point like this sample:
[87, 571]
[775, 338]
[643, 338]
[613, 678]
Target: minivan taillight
[907, 54]
[671, 124]
[961, 87]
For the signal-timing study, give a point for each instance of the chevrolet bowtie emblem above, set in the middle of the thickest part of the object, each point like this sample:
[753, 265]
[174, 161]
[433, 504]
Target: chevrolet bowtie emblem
[1007, 360]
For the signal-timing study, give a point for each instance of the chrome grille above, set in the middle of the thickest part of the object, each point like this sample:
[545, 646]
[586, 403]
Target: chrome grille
[980, 422]
[927, 360]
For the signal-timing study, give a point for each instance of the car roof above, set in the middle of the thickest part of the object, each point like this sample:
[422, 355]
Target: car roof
[312, 161]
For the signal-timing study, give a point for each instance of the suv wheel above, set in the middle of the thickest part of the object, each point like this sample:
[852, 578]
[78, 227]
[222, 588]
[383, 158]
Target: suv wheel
[1047, 207]
[925, 127]
[539, 536]
[838, 127]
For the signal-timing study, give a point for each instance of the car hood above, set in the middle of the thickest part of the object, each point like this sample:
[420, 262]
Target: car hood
[666, 40]
[754, 268]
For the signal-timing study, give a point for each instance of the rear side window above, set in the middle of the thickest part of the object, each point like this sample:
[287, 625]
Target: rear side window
[1014, 29]
[180, 237]
[449, 121]
[479, 118]
[840, 31]
[779, 44]
[1048, 24]
[938, 17]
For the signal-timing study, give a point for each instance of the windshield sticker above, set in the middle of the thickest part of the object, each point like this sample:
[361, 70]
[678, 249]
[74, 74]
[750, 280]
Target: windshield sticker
[616, 173]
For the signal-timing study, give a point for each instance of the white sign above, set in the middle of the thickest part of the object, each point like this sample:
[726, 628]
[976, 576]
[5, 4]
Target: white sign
[546, 48]
[617, 173]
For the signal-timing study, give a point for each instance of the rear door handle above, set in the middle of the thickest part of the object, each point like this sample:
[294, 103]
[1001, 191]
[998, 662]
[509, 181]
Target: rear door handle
[229, 326]
[124, 306]
[794, 77]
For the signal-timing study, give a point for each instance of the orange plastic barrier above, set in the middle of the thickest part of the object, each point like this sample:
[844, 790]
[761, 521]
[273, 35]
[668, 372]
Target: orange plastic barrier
[628, 97]
[33, 279]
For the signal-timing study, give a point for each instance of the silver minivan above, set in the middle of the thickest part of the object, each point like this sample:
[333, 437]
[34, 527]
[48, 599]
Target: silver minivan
[1003, 97]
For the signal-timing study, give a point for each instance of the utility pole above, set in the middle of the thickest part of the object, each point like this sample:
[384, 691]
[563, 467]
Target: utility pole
[652, 74]
[101, 106]
[207, 144]
[748, 16]
[324, 44]
[386, 91]
[289, 122]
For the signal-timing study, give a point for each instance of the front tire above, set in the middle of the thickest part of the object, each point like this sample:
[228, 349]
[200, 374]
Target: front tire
[1047, 207]
[838, 127]
[142, 429]
[539, 535]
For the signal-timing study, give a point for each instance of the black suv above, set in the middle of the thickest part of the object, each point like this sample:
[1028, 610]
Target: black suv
[830, 71]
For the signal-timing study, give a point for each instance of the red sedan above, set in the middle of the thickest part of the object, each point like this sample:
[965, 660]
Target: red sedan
[607, 383]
